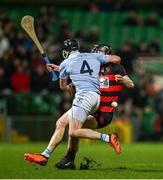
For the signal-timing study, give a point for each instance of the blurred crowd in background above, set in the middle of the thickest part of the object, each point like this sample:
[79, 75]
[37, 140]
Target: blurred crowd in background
[23, 71]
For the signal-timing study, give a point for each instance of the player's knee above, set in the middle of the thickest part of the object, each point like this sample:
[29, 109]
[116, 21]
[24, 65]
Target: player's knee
[60, 124]
[72, 133]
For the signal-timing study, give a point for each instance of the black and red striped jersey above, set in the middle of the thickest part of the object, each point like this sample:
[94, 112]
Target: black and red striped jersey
[109, 88]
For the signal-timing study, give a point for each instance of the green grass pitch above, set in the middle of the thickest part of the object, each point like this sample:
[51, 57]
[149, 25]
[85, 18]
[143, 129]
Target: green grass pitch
[143, 160]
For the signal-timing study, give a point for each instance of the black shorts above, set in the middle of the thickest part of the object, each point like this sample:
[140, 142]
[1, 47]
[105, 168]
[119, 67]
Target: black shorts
[103, 119]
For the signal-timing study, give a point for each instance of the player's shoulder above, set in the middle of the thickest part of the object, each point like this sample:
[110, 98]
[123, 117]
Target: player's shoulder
[94, 55]
[64, 62]
[85, 54]
[88, 53]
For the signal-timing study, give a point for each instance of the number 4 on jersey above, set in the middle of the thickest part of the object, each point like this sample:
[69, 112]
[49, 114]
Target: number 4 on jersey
[86, 68]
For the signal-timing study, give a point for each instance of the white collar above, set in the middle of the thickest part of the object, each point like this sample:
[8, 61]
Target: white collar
[74, 54]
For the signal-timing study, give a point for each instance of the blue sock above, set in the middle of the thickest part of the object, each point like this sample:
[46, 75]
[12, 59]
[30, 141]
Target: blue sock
[46, 153]
[104, 137]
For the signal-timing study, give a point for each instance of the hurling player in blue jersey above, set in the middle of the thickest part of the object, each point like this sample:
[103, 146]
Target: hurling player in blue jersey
[83, 69]
[115, 79]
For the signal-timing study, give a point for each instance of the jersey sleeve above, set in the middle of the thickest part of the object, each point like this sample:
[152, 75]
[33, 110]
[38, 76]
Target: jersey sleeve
[63, 71]
[122, 70]
[102, 58]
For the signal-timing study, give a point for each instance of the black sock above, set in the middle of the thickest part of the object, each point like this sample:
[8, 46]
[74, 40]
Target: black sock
[71, 155]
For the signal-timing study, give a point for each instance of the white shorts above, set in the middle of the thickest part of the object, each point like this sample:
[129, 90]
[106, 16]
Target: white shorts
[84, 105]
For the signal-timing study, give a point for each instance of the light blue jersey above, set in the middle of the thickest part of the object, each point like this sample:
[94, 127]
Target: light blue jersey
[83, 69]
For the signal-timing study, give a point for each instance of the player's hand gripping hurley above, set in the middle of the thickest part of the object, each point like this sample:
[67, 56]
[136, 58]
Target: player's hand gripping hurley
[27, 24]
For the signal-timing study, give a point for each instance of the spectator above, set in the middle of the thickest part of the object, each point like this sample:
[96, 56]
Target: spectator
[51, 19]
[21, 52]
[128, 5]
[124, 126]
[140, 100]
[35, 59]
[12, 37]
[53, 49]
[124, 5]
[65, 30]
[134, 47]
[93, 35]
[93, 7]
[152, 20]
[140, 96]
[154, 47]
[80, 34]
[143, 49]
[4, 43]
[128, 56]
[133, 19]
[159, 105]
[4, 81]
[20, 80]
[40, 79]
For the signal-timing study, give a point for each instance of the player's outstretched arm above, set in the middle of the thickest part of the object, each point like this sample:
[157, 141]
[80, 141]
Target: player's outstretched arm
[63, 84]
[70, 87]
[67, 87]
[114, 59]
[124, 80]
[52, 66]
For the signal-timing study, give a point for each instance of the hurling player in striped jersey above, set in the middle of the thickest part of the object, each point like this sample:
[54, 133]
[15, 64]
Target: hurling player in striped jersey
[112, 78]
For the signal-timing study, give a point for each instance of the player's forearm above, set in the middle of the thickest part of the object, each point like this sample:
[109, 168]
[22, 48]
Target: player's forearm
[114, 59]
[52, 66]
[67, 87]
[127, 82]
[63, 84]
